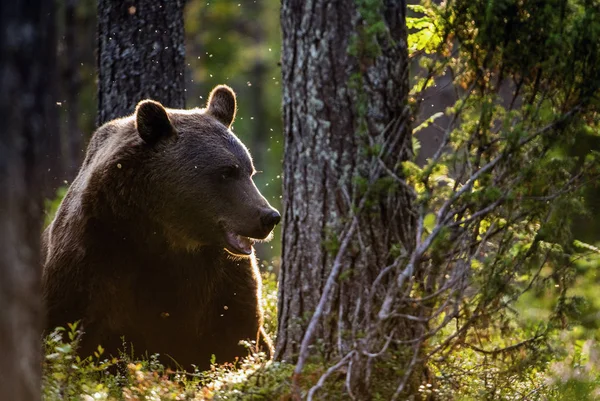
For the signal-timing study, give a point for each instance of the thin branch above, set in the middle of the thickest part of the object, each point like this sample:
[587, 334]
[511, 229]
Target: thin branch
[481, 213]
[383, 349]
[396, 178]
[328, 373]
[407, 373]
[505, 349]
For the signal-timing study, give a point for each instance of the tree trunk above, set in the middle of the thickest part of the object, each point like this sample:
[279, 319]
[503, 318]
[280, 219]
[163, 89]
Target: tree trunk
[141, 55]
[346, 217]
[26, 68]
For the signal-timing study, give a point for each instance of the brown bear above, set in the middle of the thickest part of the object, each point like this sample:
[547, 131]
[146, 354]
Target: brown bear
[152, 244]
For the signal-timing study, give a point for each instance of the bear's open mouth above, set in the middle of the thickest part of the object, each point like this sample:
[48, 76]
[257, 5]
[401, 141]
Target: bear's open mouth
[238, 245]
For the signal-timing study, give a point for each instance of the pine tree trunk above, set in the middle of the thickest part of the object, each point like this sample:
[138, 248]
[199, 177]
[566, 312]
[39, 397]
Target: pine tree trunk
[26, 72]
[345, 115]
[140, 55]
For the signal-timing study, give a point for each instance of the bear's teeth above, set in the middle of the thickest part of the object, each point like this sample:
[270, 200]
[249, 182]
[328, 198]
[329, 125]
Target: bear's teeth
[239, 243]
[245, 240]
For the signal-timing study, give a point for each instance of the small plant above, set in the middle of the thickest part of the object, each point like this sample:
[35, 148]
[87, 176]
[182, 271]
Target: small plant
[269, 303]
[66, 376]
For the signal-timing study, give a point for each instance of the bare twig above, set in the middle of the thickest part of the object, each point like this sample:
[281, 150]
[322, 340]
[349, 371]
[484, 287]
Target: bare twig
[408, 372]
[328, 373]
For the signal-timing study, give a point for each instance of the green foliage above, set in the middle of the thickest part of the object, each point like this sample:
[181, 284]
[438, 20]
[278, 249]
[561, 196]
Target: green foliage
[424, 36]
[331, 242]
[51, 205]
[269, 301]
[68, 377]
[510, 187]
[365, 44]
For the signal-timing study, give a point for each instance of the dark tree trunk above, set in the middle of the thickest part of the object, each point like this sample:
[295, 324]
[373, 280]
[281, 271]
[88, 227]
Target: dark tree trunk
[140, 55]
[26, 68]
[345, 116]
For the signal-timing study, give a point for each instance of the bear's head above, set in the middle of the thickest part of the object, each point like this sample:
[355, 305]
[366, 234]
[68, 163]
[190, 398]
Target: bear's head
[204, 174]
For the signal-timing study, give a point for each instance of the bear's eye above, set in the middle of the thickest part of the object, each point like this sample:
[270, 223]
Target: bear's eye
[230, 172]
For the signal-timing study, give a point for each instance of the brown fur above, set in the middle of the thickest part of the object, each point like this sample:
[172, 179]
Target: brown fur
[222, 105]
[137, 245]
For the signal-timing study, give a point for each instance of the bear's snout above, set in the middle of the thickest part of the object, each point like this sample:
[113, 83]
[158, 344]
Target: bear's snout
[269, 219]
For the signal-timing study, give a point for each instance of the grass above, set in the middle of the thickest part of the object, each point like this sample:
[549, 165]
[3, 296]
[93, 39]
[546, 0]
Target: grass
[68, 377]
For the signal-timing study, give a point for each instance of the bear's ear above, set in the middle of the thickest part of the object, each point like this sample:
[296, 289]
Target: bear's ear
[152, 122]
[221, 104]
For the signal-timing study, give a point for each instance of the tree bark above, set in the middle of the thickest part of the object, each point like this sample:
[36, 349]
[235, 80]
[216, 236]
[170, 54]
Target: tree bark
[26, 73]
[345, 115]
[140, 55]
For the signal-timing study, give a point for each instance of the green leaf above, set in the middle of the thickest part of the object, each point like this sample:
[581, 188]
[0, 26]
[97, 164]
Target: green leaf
[586, 246]
[416, 144]
[429, 222]
[428, 122]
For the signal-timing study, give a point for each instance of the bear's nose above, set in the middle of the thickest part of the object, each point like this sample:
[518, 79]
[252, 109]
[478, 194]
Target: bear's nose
[270, 219]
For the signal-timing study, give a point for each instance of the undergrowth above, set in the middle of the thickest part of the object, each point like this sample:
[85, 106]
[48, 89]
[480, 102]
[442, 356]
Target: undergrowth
[573, 373]
[66, 376]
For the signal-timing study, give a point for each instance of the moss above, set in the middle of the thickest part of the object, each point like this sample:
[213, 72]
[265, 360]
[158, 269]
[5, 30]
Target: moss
[364, 44]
